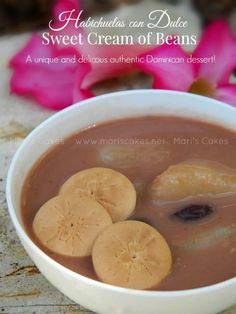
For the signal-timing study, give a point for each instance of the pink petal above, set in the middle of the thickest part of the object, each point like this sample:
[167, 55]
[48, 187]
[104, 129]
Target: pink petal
[48, 88]
[66, 6]
[115, 65]
[52, 85]
[218, 40]
[34, 48]
[168, 75]
[79, 93]
[227, 94]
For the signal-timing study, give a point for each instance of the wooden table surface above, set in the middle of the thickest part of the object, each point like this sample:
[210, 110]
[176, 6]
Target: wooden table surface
[22, 288]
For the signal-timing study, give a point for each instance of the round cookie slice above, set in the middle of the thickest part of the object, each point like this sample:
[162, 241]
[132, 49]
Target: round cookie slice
[110, 188]
[69, 225]
[131, 254]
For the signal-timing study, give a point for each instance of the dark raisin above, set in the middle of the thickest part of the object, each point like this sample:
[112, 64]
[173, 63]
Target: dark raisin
[193, 212]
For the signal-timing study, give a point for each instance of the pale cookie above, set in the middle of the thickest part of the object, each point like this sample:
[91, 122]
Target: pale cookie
[131, 254]
[193, 178]
[69, 225]
[110, 188]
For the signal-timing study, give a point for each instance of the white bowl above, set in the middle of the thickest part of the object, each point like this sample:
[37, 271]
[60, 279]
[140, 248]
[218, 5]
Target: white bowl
[96, 296]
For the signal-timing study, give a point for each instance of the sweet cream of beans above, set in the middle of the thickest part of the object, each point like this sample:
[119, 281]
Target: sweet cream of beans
[166, 173]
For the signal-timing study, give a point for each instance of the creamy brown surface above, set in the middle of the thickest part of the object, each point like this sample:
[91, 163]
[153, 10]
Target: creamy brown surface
[204, 252]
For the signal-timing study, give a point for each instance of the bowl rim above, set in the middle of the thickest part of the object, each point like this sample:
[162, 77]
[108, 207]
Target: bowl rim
[98, 284]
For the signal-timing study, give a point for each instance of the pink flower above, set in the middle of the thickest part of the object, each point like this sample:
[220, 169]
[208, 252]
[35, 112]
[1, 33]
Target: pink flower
[209, 79]
[100, 56]
[58, 85]
[54, 84]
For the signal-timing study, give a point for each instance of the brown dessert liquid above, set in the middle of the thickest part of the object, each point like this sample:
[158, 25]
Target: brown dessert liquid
[204, 251]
